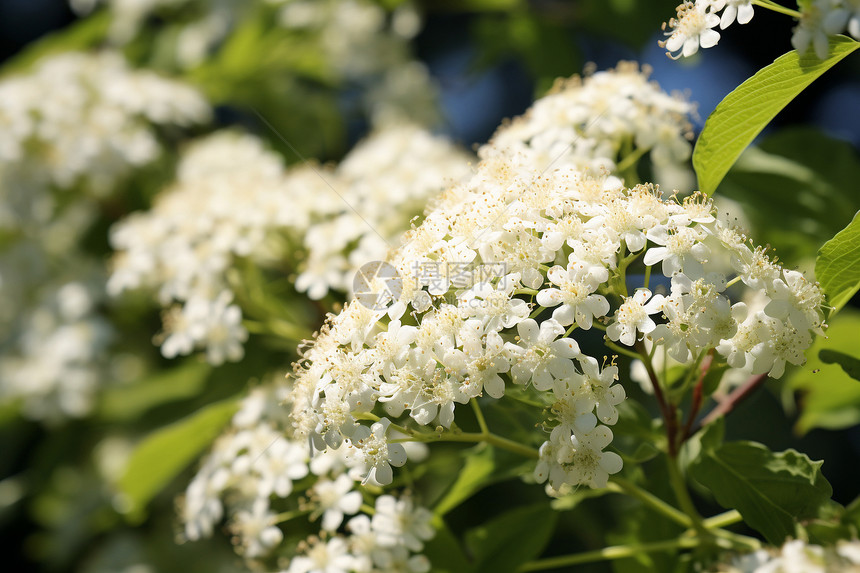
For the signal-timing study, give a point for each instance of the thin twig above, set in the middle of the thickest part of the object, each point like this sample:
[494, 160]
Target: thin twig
[731, 401]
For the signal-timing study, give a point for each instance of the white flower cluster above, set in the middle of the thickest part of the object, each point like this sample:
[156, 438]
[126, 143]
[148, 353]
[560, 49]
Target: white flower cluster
[55, 356]
[592, 123]
[695, 20]
[82, 120]
[383, 183]
[823, 18]
[799, 556]
[476, 278]
[358, 41]
[73, 128]
[234, 199]
[258, 477]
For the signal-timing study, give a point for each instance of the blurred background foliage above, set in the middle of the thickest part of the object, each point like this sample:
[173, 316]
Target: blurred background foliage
[488, 58]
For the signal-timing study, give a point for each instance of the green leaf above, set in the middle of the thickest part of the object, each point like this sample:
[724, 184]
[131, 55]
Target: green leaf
[751, 106]
[798, 189]
[82, 35]
[770, 490]
[476, 474]
[444, 551]
[129, 402]
[837, 267]
[166, 452]
[830, 397]
[849, 364]
[515, 537]
[704, 442]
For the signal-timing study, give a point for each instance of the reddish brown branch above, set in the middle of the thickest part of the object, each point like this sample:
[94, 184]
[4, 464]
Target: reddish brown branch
[667, 410]
[731, 401]
[696, 403]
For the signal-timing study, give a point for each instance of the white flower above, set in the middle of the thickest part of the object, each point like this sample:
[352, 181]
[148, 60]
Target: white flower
[595, 388]
[588, 463]
[634, 314]
[781, 343]
[256, 529]
[576, 285]
[692, 28]
[480, 361]
[742, 10]
[400, 522]
[335, 498]
[682, 250]
[539, 357]
[845, 15]
[810, 29]
[494, 305]
[377, 453]
[330, 556]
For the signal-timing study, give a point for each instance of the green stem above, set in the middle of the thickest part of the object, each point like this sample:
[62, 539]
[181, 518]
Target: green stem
[536, 312]
[777, 8]
[470, 437]
[482, 423]
[676, 480]
[631, 159]
[737, 541]
[722, 520]
[624, 351]
[609, 553]
[288, 515]
[621, 485]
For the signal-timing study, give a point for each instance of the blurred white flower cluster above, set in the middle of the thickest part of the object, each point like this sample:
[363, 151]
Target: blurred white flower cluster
[383, 183]
[258, 477]
[799, 556]
[74, 128]
[525, 235]
[82, 121]
[695, 22]
[56, 352]
[357, 41]
[234, 199]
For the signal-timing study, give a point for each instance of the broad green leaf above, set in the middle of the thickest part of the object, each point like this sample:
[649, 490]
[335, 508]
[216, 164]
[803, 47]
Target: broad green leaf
[513, 538]
[705, 441]
[168, 451]
[751, 106]
[837, 267]
[830, 397]
[849, 364]
[637, 438]
[770, 490]
[83, 34]
[129, 402]
[476, 474]
[797, 188]
[444, 551]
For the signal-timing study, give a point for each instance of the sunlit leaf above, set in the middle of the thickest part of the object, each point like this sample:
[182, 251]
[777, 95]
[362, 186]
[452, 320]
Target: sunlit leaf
[476, 473]
[168, 451]
[751, 106]
[513, 538]
[130, 401]
[838, 265]
[830, 397]
[770, 490]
